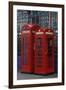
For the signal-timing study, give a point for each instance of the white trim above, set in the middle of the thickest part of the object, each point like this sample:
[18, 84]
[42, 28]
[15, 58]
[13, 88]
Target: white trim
[49, 33]
[26, 31]
[39, 32]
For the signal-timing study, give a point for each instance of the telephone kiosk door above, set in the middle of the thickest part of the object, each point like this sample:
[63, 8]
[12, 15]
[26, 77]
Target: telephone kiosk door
[49, 35]
[40, 62]
[26, 51]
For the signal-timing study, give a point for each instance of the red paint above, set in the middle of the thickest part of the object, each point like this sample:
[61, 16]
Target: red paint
[27, 47]
[37, 50]
[50, 50]
[44, 55]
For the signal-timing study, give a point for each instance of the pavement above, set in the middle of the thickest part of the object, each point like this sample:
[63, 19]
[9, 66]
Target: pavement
[23, 76]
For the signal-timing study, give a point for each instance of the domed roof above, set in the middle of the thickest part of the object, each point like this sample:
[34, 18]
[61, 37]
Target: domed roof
[30, 27]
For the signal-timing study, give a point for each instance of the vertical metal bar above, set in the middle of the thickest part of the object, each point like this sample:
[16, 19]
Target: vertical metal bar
[50, 20]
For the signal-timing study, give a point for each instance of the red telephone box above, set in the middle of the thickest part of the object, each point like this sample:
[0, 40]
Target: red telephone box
[49, 36]
[44, 52]
[27, 47]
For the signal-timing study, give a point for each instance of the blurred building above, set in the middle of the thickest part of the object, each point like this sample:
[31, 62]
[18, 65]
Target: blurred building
[37, 17]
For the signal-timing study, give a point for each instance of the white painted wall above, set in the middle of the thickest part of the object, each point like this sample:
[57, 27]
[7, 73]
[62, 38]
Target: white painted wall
[4, 43]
